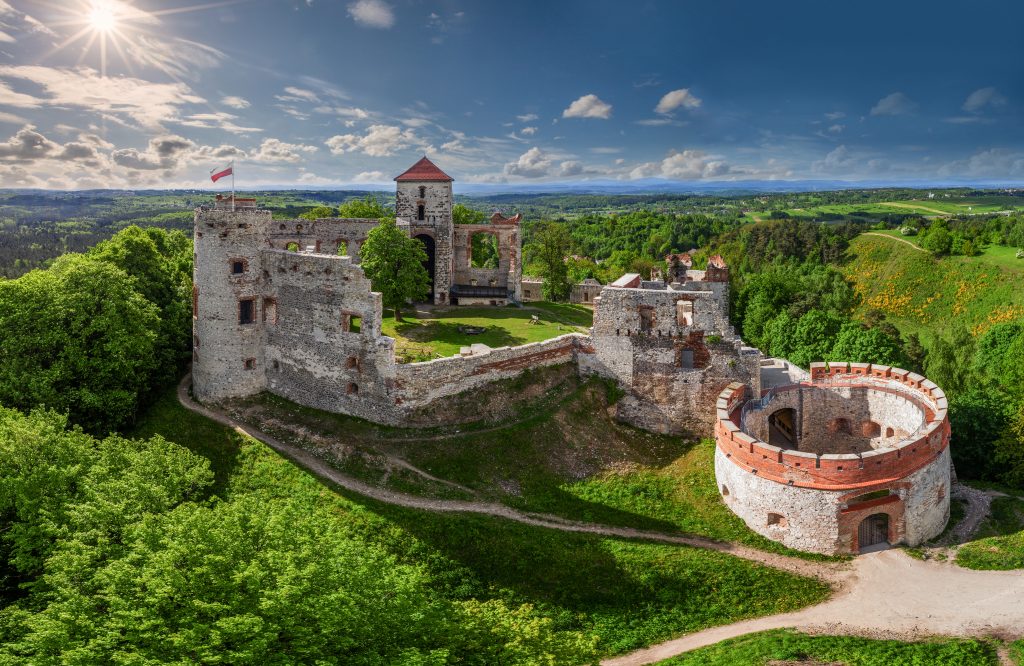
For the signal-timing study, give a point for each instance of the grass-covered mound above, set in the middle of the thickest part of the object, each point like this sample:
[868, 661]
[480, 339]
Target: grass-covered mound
[783, 646]
[1001, 538]
[927, 295]
[442, 332]
[194, 543]
[562, 453]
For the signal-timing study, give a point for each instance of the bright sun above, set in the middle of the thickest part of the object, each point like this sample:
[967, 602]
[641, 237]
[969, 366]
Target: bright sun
[102, 17]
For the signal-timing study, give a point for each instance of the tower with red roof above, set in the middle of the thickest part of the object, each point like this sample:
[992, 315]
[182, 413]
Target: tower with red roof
[424, 200]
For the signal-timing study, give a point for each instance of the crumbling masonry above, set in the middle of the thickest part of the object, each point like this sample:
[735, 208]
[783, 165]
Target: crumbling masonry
[283, 306]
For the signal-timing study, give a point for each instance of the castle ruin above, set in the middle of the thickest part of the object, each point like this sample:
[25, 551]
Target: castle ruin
[283, 306]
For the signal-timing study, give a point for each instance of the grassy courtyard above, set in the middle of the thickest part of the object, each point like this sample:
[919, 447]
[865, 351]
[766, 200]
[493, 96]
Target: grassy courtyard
[438, 332]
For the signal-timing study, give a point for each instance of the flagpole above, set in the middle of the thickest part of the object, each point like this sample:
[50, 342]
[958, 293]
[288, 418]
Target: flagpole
[232, 187]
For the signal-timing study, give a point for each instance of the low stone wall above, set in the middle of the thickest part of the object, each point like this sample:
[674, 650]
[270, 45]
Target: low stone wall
[420, 384]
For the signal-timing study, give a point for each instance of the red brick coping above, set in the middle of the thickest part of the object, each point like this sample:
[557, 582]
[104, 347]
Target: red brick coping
[838, 471]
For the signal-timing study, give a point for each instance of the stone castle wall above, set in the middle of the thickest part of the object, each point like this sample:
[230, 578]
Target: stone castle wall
[673, 349]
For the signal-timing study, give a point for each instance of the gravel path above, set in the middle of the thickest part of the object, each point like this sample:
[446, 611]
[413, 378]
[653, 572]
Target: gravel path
[885, 594]
[890, 595]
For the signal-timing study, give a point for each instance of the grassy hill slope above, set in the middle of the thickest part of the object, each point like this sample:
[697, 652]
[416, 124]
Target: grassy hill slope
[622, 594]
[922, 294]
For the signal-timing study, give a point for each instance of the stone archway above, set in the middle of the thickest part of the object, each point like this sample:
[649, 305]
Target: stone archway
[431, 249]
[873, 531]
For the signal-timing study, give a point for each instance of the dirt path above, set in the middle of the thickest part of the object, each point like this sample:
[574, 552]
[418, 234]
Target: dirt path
[890, 595]
[830, 573]
[979, 504]
[902, 240]
[885, 594]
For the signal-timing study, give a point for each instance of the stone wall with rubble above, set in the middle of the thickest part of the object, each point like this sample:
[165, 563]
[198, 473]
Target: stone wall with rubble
[817, 501]
[673, 350]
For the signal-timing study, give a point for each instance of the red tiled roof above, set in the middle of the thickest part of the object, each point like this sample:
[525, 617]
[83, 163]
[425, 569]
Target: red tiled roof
[424, 170]
[717, 261]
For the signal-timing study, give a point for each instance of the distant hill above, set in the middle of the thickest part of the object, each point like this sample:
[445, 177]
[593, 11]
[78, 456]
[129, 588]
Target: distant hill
[923, 294]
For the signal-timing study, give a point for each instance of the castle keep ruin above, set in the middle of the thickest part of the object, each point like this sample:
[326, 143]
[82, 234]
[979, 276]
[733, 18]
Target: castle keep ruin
[283, 306]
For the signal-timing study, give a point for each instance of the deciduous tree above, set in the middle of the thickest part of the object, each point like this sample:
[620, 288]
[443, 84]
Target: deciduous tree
[394, 264]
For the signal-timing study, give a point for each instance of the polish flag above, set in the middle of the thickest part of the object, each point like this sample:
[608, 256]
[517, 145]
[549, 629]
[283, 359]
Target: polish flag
[221, 174]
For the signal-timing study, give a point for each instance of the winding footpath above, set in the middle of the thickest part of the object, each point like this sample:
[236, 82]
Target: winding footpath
[901, 240]
[885, 594]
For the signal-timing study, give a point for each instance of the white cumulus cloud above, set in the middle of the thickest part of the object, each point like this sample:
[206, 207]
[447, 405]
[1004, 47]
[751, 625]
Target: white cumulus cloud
[677, 98]
[378, 141]
[588, 106]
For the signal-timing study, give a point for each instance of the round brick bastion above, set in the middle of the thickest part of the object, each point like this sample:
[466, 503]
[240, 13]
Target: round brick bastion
[855, 458]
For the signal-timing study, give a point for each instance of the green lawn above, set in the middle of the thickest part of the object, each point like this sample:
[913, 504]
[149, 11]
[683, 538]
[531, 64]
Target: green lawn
[784, 646]
[626, 594]
[436, 333]
[927, 295]
[563, 454]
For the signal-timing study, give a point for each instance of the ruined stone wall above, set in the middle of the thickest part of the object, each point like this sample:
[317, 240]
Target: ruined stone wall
[419, 384]
[437, 223]
[227, 355]
[314, 355]
[673, 350]
[508, 274]
[324, 234]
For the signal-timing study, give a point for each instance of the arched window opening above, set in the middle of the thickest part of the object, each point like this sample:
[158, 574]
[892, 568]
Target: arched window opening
[352, 389]
[423, 191]
[292, 247]
[777, 520]
[870, 429]
[889, 432]
[421, 212]
[342, 248]
[237, 267]
[725, 490]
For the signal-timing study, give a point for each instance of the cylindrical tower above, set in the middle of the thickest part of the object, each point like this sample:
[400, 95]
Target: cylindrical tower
[228, 309]
[855, 458]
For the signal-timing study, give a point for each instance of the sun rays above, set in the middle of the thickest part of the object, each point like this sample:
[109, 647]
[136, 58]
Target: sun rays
[99, 27]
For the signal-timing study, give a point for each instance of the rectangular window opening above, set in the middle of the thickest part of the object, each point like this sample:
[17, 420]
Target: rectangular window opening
[247, 311]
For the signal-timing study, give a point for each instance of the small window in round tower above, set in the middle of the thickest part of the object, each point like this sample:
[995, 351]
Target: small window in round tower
[777, 520]
[725, 490]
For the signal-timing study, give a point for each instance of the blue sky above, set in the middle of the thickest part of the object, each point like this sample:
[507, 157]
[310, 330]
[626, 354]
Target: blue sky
[332, 92]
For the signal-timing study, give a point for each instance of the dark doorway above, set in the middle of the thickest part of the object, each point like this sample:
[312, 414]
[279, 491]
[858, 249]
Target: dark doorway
[873, 530]
[782, 428]
[429, 247]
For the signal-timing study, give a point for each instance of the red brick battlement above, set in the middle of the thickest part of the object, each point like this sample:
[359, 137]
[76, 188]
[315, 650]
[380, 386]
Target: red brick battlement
[838, 471]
